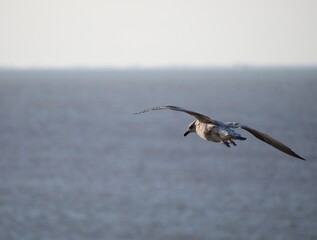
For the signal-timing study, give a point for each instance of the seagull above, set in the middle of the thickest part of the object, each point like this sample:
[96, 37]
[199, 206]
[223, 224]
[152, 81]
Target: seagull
[216, 131]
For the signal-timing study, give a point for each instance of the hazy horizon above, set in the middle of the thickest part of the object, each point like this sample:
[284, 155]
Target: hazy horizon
[163, 68]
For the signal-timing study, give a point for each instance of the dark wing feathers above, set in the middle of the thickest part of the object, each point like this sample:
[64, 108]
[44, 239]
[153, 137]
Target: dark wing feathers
[265, 138]
[196, 115]
[273, 142]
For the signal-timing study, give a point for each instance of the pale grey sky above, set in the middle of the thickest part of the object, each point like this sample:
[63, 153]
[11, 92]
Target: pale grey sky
[145, 33]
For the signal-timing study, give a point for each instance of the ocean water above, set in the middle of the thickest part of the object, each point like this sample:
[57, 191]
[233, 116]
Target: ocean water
[76, 164]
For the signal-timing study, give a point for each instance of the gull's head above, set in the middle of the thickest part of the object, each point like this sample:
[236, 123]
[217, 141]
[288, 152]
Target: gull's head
[191, 128]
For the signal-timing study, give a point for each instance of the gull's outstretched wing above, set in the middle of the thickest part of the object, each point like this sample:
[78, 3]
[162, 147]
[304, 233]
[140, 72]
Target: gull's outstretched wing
[265, 138]
[196, 115]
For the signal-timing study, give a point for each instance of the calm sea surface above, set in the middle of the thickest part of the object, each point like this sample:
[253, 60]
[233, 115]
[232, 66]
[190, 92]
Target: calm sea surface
[76, 164]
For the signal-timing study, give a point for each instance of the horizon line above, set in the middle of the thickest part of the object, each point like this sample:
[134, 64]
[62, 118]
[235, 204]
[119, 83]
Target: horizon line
[164, 67]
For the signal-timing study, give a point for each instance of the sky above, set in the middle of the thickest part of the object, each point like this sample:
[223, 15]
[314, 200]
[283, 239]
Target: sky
[147, 33]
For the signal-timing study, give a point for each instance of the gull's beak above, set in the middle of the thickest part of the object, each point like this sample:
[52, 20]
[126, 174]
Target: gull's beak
[186, 133]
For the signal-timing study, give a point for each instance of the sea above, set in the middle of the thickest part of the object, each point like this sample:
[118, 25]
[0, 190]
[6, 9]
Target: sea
[77, 164]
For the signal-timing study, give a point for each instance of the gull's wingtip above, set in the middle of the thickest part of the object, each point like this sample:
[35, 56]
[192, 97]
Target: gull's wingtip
[291, 153]
[144, 111]
[301, 158]
[161, 107]
[136, 113]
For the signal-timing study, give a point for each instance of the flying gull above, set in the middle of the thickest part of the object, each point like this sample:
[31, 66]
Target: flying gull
[216, 131]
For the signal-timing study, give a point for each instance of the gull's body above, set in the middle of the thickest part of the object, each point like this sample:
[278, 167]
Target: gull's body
[216, 131]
